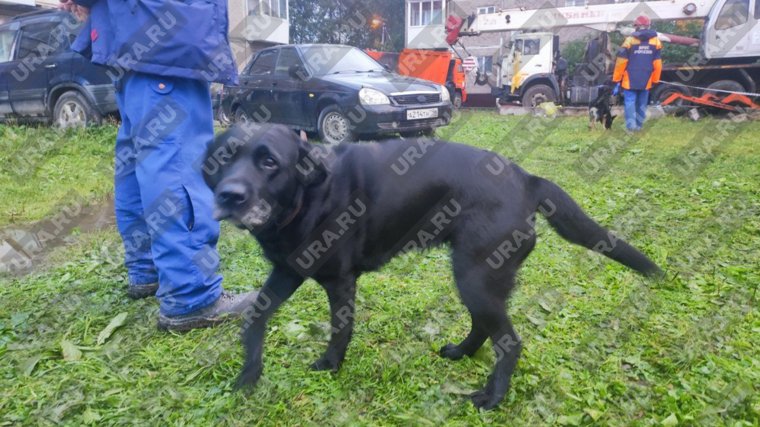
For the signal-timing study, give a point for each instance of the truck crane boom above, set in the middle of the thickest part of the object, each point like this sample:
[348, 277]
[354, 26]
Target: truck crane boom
[534, 71]
[602, 17]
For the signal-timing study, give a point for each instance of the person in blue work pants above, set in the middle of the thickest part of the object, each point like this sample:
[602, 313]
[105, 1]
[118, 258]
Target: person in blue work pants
[638, 66]
[162, 56]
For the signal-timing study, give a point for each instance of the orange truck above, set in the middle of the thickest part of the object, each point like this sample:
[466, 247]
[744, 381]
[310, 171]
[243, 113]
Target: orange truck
[439, 66]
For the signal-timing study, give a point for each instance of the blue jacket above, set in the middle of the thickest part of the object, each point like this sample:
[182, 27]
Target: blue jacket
[185, 38]
[639, 64]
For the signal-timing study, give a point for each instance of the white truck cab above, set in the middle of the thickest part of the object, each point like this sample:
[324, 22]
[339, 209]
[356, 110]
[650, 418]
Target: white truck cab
[732, 30]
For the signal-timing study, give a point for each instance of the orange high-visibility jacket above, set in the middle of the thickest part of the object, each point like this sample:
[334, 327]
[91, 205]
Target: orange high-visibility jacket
[638, 63]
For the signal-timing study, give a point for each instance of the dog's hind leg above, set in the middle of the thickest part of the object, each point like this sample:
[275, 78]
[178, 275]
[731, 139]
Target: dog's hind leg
[507, 346]
[477, 336]
[342, 296]
[468, 346]
[484, 290]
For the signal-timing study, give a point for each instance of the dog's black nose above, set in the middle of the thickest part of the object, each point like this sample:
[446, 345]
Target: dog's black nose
[231, 194]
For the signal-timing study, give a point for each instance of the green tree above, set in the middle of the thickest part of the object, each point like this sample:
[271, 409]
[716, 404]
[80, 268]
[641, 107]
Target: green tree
[347, 22]
[673, 53]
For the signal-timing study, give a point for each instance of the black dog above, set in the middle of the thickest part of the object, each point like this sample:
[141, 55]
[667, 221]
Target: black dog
[333, 213]
[599, 109]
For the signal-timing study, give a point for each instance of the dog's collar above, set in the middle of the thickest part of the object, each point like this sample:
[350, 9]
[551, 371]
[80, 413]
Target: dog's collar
[292, 215]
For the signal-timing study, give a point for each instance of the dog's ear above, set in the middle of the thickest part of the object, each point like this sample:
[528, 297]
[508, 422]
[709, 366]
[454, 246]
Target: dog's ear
[314, 161]
[220, 154]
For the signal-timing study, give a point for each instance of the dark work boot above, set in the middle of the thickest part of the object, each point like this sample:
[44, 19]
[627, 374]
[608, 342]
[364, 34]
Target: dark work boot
[142, 291]
[227, 307]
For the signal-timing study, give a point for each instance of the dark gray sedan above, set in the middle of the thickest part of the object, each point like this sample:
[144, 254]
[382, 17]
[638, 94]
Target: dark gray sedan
[337, 91]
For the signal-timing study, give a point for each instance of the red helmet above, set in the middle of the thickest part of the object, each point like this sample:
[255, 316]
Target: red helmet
[642, 21]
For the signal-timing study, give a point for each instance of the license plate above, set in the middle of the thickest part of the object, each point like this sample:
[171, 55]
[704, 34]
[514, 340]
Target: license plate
[425, 113]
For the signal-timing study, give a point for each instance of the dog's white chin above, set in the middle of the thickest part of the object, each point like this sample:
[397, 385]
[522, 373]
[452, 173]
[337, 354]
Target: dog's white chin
[257, 216]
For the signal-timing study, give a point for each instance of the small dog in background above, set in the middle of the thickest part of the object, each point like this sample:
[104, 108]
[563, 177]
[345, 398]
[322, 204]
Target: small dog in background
[599, 109]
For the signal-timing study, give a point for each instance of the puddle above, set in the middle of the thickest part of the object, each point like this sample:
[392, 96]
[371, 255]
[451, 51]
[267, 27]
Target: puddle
[23, 248]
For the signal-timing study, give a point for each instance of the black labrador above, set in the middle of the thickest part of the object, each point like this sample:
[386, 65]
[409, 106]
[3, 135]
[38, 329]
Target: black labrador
[599, 109]
[333, 213]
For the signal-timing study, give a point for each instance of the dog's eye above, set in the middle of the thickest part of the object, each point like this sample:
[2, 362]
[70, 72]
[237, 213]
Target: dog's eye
[269, 163]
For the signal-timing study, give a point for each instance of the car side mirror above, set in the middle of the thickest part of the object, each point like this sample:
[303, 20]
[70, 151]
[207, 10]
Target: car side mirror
[297, 72]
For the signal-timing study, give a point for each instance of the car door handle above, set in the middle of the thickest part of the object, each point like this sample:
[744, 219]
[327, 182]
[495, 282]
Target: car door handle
[51, 66]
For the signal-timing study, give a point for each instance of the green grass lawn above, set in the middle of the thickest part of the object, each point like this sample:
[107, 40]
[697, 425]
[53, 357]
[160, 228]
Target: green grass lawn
[44, 167]
[601, 346]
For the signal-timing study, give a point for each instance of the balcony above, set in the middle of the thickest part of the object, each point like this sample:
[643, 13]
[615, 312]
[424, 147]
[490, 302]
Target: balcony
[265, 21]
[425, 24]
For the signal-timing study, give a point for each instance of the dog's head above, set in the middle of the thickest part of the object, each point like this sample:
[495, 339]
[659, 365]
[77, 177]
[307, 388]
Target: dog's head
[258, 172]
[608, 120]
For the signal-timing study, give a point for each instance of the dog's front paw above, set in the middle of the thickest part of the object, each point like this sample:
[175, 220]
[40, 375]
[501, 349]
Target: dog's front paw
[451, 351]
[249, 376]
[325, 364]
[485, 399]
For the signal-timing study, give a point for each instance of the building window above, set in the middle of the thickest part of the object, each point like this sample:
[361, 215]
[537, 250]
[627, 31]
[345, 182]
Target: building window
[425, 13]
[575, 2]
[486, 9]
[273, 8]
[485, 64]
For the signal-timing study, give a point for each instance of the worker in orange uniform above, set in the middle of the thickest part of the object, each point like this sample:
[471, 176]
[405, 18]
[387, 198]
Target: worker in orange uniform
[637, 67]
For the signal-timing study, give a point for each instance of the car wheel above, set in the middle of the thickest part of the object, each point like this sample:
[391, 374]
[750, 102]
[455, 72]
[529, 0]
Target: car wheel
[241, 116]
[457, 100]
[222, 116]
[334, 127]
[537, 95]
[72, 110]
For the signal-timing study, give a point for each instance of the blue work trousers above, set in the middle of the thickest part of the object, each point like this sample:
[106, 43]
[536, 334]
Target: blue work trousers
[163, 206]
[635, 102]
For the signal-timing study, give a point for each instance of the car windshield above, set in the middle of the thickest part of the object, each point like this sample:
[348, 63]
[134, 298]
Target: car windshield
[323, 60]
[6, 45]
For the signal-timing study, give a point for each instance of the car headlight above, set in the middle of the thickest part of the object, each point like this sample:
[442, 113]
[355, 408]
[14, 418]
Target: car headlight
[369, 96]
[445, 95]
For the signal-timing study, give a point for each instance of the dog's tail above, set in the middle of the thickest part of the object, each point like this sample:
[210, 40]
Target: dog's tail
[569, 220]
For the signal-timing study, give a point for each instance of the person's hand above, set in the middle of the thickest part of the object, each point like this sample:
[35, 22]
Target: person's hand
[80, 12]
[616, 89]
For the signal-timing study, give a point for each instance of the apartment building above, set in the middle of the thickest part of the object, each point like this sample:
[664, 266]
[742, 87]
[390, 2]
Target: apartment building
[256, 24]
[253, 24]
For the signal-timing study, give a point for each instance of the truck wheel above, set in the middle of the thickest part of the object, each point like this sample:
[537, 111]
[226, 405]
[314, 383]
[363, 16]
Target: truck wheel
[456, 101]
[72, 110]
[663, 92]
[728, 85]
[537, 95]
[334, 127]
